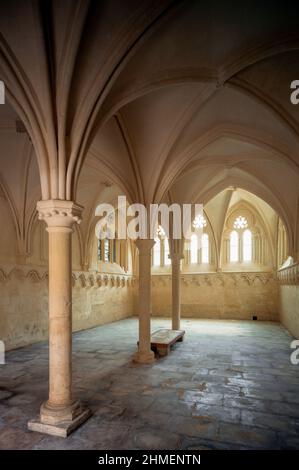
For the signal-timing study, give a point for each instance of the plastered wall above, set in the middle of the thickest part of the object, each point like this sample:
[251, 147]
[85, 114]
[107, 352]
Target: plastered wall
[289, 308]
[288, 299]
[97, 299]
[220, 295]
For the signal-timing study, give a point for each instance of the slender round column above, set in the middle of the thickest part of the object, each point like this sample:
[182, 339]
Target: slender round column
[144, 355]
[60, 409]
[60, 316]
[176, 290]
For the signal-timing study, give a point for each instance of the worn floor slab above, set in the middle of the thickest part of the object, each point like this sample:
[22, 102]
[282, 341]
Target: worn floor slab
[229, 385]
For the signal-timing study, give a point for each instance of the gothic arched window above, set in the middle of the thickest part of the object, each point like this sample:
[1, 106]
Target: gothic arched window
[199, 221]
[157, 252]
[234, 247]
[100, 254]
[247, 245]
[240, 222]
[193, 249]
[107, 250]
[104, 250]
[167, 260]
[205, 252]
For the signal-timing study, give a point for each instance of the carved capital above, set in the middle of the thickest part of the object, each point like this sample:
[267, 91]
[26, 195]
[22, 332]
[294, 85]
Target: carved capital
[59, 214]
[144, 245]
[176, 258]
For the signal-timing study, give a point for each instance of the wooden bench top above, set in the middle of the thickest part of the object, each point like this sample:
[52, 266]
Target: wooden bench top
[166, 337]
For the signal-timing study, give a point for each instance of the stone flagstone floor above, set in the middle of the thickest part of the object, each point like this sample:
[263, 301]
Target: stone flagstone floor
[229, 385]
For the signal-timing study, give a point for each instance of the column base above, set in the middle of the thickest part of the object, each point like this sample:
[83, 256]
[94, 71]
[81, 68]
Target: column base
[59, 421]
[144, 358]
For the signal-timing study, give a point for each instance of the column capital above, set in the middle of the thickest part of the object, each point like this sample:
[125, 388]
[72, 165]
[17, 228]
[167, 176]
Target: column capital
[176, 257]
[58, 213]
[144, 245]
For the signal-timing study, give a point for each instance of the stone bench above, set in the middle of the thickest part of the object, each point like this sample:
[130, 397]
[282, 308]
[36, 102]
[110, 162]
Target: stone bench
[162, 339]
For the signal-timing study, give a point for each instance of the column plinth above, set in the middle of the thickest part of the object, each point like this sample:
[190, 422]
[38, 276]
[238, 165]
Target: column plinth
[144, 355]
[61, 413]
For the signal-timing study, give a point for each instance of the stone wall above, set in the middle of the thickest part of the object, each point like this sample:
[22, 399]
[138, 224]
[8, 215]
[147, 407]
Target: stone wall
[289, 298]
[97, 299]
[100, 298]
[220, 295]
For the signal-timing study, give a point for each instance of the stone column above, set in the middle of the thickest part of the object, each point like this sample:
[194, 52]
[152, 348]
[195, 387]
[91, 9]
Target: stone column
[144, 354]
[61, 413]
[176, 290]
